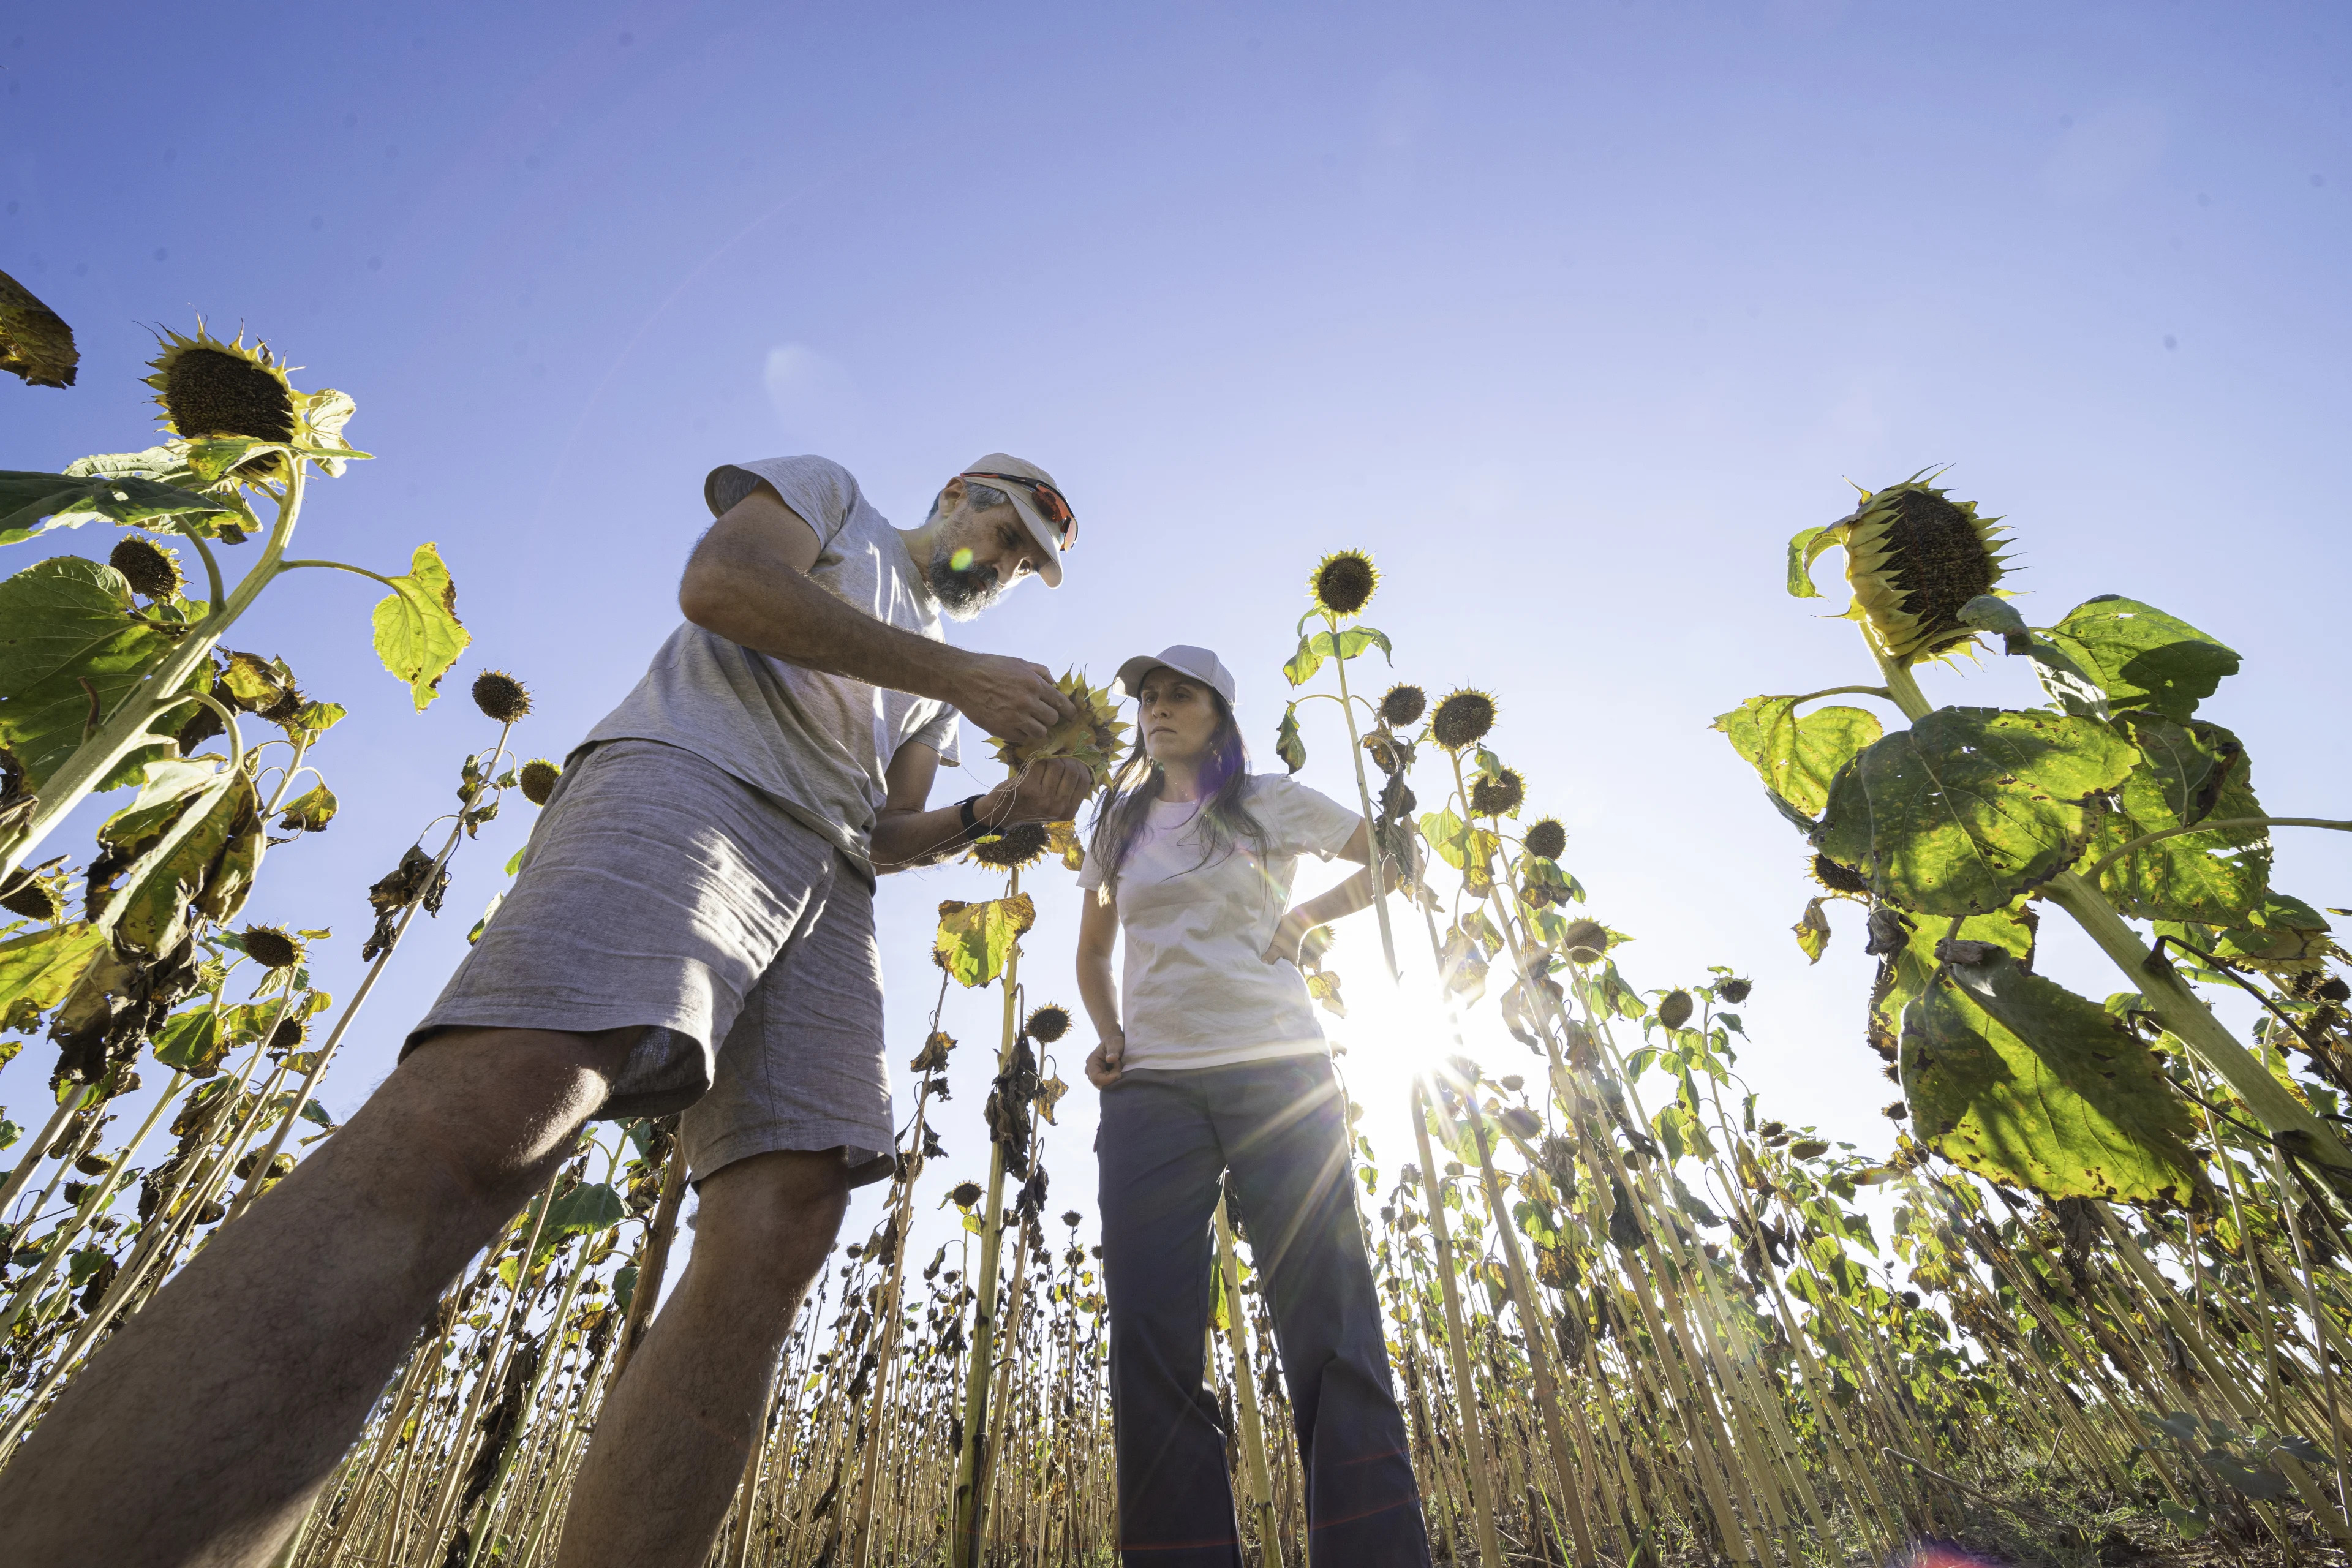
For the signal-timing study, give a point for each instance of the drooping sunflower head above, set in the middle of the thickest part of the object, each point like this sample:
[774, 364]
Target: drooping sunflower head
[1675, 1009]
[1015, 849]
[1049, 1024]
[152, 571]
[537, 780]
[272, 947]
[964, 1194]
[1584, 941]
[1402, 705]
[1839, 879]
[1496, 793]
[36, 899]
[207, 387]
[1071, 1217]
[1343, 582]
[1090, 735]
[1914, 557]
[500, 696]
[1733, 989]
[1463, 719]
[1547, 838]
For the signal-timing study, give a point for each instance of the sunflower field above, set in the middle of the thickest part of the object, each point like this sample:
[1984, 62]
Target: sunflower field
[2092, 1310]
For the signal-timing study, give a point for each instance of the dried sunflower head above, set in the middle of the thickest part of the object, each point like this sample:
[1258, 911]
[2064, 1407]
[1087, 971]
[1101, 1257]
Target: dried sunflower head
[1071, 1217]
[1343, 582]
[36, 899]
[1584, 941]
[152, 571]
[207, 387]
[1675, 1009]
[500, 696]
[537, 780]
[1013, 848]
[1049, 1024]
[1839, 879]
[1547, 838]
[1496, 793]
[272, 947]
[1402, 705]
[1091, 735]
[1914, 557]
[1734, 990]
[964, 1194]
[1462, 720]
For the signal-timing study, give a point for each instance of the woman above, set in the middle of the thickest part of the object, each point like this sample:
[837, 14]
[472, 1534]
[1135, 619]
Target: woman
[1212, 1059]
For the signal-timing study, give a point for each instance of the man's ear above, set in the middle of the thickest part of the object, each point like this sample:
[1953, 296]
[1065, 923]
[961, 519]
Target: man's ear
[950, 497]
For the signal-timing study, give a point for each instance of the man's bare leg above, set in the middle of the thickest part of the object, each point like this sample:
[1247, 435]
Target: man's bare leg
[200, 1432]
[677, 1430]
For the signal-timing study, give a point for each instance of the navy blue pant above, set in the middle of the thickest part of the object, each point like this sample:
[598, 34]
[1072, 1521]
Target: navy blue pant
[1281, 1127]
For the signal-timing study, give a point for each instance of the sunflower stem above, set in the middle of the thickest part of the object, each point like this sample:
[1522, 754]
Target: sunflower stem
[215, 597]
[1364, 795]
[966, 1548]
[338, 566]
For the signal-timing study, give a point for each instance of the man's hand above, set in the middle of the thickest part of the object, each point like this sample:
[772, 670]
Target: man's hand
[1010, 698]
[1049, 790]
[1102, 1063]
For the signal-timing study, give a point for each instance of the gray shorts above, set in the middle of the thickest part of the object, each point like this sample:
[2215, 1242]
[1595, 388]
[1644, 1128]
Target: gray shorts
[661, 891]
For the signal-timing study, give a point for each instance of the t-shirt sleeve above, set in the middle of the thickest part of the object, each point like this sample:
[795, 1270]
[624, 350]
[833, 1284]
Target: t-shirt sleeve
[1090, 874]
[820, 491]
[941, 735]
[1301, 821]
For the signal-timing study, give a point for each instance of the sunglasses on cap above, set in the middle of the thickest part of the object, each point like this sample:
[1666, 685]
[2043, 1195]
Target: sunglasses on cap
[1049, 502]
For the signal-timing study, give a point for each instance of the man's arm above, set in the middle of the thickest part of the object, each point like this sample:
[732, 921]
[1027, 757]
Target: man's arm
[908, 833]
[748, 580]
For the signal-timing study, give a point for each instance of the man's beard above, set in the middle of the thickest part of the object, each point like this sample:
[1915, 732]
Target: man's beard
[962, 591]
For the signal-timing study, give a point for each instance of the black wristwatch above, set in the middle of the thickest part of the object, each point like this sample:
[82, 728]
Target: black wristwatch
[972, 827]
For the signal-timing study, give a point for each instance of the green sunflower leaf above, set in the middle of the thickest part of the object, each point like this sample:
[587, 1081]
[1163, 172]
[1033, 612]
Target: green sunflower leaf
[2142, 657]
[31, 503]
[1286, 743]
[67, 645]
[417, 633]
[2187, 773]
[2020, 1080]
[1797, 756]
[1972, 807]
[36, 972]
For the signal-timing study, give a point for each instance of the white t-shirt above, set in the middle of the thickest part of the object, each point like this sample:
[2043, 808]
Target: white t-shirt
[1195, 989]
[820, 745]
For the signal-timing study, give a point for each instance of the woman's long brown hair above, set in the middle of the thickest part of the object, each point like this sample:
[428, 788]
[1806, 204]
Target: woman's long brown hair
[1224, 815]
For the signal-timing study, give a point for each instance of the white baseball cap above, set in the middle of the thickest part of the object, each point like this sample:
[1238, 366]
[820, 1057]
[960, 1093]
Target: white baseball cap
[1037, 498]
[1197, 662]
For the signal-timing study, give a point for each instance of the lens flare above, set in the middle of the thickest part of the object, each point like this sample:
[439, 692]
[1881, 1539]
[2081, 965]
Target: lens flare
[960, 561]
[1943, 1554]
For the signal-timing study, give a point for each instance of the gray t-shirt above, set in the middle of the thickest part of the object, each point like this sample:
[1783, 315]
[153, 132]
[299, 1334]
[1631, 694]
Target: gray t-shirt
[820, 745]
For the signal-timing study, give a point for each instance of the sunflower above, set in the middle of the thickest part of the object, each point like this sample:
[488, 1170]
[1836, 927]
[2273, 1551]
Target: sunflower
[1402, 705]
[1547, 838]
[1584, 941]
[271, 946]
[1048, 1023]
[150, 569]
[1914, 557]
[1343, 582]
[208, 388]
[1091, 735]
[538, 779]
[1675, 1009]
[1838, 878]
[1013, 848]
[1463, 719]
[500, 696]
[1496, 793]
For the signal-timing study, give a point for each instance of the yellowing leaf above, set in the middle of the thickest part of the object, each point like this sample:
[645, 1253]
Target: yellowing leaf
[37, 971]
[1062, 838]
[975, 939]
[1797, 756]
[417, 633]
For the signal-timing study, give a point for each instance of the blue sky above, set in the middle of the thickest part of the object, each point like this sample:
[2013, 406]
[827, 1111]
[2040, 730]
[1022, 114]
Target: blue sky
[1570, 314]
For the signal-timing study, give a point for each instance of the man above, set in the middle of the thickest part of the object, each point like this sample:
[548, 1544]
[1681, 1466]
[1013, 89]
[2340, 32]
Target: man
[691, 930]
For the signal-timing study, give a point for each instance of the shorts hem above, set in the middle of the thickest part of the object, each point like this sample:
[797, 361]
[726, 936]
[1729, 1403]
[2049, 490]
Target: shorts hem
[669, 1068]
[870, 1155]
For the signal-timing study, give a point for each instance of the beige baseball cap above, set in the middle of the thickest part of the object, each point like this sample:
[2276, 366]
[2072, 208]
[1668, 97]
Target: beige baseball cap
[1037, 498]
[1197, 662]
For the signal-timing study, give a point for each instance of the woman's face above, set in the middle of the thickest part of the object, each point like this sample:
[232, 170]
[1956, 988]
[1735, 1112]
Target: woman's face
[1178, 718]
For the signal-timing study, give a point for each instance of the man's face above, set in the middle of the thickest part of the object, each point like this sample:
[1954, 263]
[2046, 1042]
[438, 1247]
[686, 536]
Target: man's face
[978, 555]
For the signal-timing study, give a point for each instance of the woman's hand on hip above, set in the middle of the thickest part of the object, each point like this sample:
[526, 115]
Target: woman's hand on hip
[1102, 1063]
[1287, 938]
